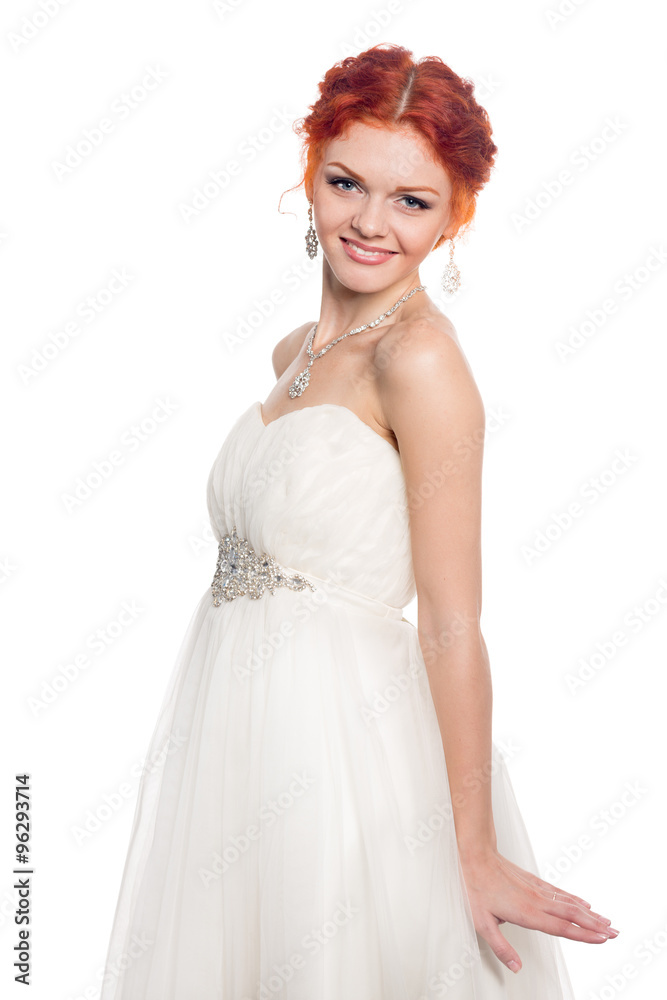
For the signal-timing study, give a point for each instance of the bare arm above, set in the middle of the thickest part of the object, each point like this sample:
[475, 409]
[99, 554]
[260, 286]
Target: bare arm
[432, 404]
[435, 409]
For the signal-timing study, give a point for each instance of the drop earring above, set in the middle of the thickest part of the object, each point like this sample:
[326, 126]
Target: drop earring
[311, 236]
[451, 278]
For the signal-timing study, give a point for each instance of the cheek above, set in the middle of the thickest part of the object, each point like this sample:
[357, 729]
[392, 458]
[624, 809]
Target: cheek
[417, 244]
[332, 220]
[414, 231]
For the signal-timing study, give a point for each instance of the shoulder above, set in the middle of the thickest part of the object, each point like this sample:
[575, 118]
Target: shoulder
[424, 378]
[435, 411]
[287, 349]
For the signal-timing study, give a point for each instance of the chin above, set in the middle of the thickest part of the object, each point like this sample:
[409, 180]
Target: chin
[365, 283]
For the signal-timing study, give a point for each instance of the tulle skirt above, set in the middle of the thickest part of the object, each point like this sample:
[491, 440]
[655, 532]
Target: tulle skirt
[294, 838]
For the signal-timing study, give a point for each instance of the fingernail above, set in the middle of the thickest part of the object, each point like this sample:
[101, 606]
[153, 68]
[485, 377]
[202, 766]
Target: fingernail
[514, 966]
[613, 931]
[603, 937]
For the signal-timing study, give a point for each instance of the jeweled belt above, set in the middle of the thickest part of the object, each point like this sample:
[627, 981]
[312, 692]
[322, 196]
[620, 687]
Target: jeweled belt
[242, 572]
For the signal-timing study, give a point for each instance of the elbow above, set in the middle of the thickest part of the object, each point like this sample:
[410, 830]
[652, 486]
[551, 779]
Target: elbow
[456, 637]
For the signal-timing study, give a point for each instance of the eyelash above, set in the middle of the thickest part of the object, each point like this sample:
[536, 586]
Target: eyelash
[420, 206]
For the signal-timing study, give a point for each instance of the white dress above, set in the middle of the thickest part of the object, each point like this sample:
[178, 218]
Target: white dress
[297, 840]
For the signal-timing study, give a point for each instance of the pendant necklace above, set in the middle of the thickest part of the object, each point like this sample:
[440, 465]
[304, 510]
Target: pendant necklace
[300, 382]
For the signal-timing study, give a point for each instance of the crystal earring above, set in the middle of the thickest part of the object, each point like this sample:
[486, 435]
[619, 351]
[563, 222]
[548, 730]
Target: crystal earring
[451, 278]
[311, 236]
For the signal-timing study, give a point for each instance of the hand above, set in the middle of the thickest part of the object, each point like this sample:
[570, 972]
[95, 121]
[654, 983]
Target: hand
[500, 891]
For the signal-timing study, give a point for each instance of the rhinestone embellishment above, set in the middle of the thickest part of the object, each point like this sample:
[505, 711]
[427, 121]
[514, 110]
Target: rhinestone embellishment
[240, 571]
[299, 384]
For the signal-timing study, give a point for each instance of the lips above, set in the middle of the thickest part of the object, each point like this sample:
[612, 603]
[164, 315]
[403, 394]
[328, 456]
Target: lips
[358, 253]
[364, 246]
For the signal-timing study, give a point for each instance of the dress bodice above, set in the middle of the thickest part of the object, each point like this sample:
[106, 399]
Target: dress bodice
[320, 491]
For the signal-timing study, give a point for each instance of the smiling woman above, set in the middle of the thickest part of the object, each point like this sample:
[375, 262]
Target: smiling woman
[337, 823]
[385, 89]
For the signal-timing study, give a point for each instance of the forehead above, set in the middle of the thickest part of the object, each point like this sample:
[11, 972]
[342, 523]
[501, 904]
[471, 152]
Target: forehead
[390, 154]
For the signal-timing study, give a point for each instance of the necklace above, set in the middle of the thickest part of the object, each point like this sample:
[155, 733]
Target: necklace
[300, 382]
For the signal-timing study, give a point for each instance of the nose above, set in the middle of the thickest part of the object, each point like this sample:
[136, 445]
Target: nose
[369, 220]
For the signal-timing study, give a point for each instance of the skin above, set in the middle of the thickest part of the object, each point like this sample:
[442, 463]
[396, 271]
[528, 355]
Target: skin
[409, 380]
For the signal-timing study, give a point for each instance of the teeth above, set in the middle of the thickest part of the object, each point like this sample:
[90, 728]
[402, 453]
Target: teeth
[368, 253]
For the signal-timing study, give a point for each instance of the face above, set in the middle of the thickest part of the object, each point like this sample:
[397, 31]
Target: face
[379, 189]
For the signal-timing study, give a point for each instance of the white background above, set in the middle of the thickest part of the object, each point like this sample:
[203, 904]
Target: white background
[550, 82]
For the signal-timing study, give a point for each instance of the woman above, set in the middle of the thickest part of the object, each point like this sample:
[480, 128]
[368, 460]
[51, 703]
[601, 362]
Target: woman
[335, 822]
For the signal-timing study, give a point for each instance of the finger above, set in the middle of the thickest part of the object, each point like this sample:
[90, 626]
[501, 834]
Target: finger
[575, 933]
[501, 947]
[577, 914]
[592, 924]
[562, 894]
[536, 882]
[571, 921]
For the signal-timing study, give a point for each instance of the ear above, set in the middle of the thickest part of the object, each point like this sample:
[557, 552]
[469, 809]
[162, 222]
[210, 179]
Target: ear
[451, 229]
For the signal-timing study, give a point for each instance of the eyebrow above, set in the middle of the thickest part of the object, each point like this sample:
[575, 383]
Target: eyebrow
[358, 177]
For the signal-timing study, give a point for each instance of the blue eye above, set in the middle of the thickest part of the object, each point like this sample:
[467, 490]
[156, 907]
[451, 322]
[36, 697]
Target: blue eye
[418, 203]
[341, 180]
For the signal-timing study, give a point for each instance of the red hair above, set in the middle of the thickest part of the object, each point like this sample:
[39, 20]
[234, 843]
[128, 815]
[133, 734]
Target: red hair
[385, 87]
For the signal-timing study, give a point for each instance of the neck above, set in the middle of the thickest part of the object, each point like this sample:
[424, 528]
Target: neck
[342, 308]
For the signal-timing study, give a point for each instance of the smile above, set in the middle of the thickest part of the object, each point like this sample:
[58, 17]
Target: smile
[357, 253]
